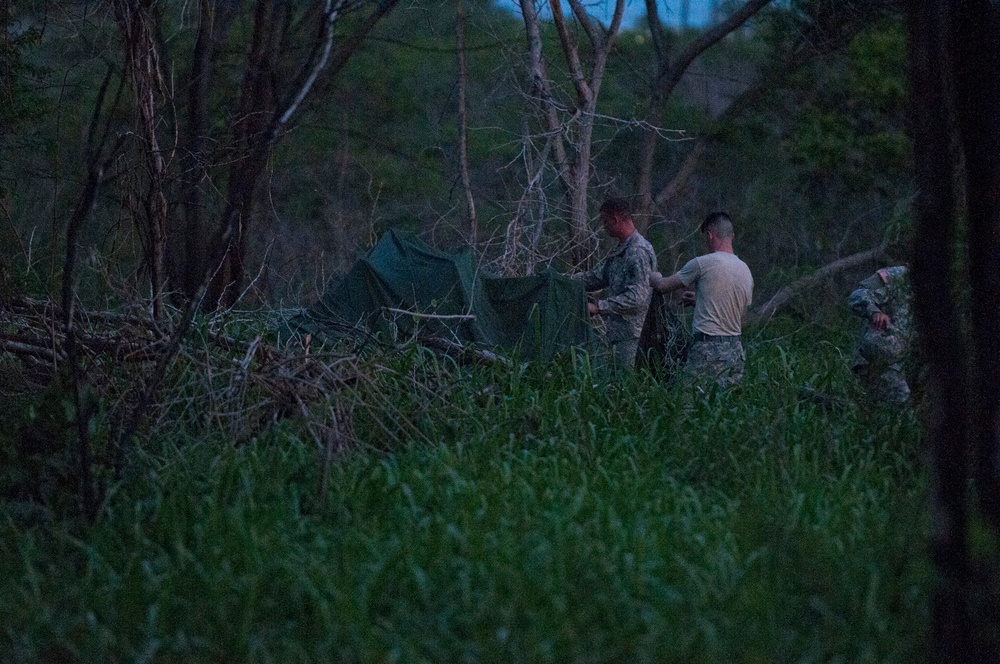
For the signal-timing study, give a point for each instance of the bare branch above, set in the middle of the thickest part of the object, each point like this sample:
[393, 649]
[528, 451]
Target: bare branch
[785, 294]
[670, 76]
[330, 16]
[571, 53]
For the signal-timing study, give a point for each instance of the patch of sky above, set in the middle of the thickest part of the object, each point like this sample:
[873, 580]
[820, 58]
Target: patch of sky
[690, 13]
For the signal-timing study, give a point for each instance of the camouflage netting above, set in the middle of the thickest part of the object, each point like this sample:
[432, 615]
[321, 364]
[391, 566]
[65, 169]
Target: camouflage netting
[404, 288]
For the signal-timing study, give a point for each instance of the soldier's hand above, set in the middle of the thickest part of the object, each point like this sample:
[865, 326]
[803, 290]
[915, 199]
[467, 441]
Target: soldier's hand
[592, 309]
[881, 321]
[688, 298]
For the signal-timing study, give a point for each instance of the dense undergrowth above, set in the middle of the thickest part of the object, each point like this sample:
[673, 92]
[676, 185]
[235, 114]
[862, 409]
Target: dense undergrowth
[493, 513]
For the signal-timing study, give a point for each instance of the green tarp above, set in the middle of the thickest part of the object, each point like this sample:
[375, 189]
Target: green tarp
[404, 287]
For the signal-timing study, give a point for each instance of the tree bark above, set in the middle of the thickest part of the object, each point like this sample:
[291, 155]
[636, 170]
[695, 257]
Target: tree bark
[938, 329]
[256, 112]
[574, 121]
[541, 94]
[975, 58]
[189, 265]
[264, 113]
[142, 65]
[97, 164]
[463, 125]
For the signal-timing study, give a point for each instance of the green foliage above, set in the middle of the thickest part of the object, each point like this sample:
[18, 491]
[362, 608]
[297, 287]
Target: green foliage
[852, 124]
[39, 453]
[18, 101]
[529, 513]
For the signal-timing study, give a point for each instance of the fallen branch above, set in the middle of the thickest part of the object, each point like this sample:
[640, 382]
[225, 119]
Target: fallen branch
[24, 349]
[417, 314]
[785, 294]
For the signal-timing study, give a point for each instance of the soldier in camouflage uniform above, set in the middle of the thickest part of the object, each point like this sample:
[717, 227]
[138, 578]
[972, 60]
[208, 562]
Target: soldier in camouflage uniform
[720, 286]
[625, 275]
[883, 301]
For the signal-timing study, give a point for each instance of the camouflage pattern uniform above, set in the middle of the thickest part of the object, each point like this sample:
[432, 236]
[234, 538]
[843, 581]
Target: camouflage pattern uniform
[881, 354]
[625, 274]
[719, 359]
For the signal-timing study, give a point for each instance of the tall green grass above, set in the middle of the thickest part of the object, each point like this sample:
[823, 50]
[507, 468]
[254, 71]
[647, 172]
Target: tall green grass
[538, 513]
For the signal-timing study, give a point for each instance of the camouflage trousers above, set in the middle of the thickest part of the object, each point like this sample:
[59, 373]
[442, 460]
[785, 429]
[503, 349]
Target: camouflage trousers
[879, 363]
[718, 359]
[884, 384]
[618, 356]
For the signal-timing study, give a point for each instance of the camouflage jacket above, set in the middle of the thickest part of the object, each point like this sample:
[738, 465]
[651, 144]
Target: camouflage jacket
[625, 274]
[887, 291]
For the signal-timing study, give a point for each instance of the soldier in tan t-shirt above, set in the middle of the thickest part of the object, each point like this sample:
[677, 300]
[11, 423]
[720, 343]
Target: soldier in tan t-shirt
[721, 287]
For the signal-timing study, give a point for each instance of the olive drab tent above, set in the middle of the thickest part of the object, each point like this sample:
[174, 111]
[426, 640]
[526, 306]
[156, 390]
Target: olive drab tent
[404, 287]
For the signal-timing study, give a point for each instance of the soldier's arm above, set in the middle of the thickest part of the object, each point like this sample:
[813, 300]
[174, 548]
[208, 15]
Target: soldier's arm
[867, 303]
[593, 279]
[663, 284]
[861, 304]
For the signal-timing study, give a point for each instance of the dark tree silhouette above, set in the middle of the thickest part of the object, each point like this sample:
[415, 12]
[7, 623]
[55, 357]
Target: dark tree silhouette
[955, 83]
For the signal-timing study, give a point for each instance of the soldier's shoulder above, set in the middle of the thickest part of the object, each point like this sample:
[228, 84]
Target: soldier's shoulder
[883, 277]
[641, 241]
[887, 275]
[894, 273]
[641, 245]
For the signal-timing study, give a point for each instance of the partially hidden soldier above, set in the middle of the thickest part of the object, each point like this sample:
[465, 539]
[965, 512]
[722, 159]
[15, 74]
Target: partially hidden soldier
[883, 301]
[624, 274]
[720, 286]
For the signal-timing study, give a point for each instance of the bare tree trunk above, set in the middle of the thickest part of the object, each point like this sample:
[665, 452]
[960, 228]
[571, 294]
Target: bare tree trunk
[265, 112]
[939, 331]
[256, 112]
[96, 167]
[83, 209]
[213, 23]
[587, 93]
[533, 195]
[571, 123]
[142, 64]
[976, 66]
[341, 218]
[555, 147]
[669, 74]
[463, 126]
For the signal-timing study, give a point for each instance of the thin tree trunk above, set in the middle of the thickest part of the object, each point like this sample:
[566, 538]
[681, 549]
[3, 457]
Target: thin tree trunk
[669, 74]
[463, 126]
[82, 210]
[341, 232]
[142, 63]
[574, 170]
[213, 23]
[262, 117]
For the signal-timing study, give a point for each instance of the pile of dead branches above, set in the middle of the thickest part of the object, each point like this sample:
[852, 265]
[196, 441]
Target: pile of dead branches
[228, 385]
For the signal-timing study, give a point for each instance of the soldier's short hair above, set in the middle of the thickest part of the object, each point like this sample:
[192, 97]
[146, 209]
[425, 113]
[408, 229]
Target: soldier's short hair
[719, 223]
[616, 207]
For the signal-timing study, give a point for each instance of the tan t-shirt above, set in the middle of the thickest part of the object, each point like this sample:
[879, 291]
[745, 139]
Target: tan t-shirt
[723, 289]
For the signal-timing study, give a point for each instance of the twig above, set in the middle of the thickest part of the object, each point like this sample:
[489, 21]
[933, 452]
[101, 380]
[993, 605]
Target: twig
[417, 314]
